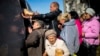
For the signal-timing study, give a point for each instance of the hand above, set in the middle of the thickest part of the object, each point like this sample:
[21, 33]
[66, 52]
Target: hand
[45, 54]
[83, 34]
[29, 29]
[26, 16]
[36, 13]
[26, 12]
[60, 26]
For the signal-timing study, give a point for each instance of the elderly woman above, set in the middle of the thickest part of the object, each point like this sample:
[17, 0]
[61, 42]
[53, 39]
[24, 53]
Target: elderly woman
[54, 46]
[69, 32]
[35, 40]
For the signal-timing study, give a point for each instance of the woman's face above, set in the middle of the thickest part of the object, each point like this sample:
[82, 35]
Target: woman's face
[62, 21]
[82, 18]
[36, 25]
[87, 16]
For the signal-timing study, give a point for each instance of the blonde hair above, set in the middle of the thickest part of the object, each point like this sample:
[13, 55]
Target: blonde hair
[63, 16]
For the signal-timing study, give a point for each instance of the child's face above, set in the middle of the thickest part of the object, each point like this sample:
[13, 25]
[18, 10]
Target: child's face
[36, 25]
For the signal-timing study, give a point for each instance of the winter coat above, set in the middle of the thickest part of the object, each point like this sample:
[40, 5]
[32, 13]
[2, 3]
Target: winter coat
[91, 30]
[70, 35]
[35, 43]
[12, 28]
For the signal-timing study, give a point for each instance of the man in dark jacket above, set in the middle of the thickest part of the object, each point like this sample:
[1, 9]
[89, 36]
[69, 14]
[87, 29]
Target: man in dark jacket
[49, 18]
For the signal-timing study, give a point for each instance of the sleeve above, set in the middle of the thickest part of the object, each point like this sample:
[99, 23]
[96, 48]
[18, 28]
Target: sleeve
[52, 14]
[47, 16]
[32, 39]
[94, 30]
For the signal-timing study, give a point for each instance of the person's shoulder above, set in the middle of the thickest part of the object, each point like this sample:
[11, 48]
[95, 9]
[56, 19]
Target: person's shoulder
[47, 43]
[60, 41]
[46, 40]
[34, 32]
[94, 19]
[57, 11]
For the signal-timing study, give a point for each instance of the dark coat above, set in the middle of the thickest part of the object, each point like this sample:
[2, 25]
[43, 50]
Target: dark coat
[11, 28]
[50, 19]
[35, 43]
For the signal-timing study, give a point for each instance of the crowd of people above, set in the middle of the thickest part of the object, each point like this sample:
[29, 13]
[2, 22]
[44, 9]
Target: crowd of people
[62, 34]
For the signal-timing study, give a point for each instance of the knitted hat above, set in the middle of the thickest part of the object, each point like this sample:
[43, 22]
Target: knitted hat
[50, 32]
[90, 11]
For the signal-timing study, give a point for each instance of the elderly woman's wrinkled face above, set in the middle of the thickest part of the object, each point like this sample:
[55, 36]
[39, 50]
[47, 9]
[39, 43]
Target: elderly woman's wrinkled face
[52, 39]
[36, 25]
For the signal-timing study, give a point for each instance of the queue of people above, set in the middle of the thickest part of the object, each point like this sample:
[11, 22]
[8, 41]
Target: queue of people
[67, 34]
